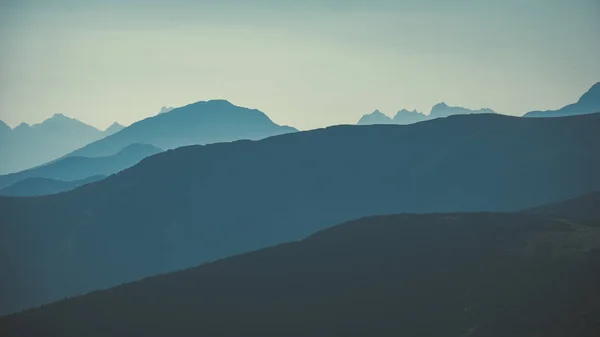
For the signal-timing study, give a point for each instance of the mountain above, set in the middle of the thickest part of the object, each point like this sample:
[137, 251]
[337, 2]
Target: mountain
[443, 110]
[4, 129]
[375, 117]
[28, 146]
[404, 117]
[77, 168]
[43, 186]
[471, 274]
[588, 103]
[114, 128]
[165, 109]
[198, 123]
[196, 204]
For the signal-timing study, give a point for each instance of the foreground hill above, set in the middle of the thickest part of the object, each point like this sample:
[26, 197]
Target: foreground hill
[43, 186]
[482, 274]
[588, 103]
[198, 123]
[27, 146]
[583, 207]
[195, 204]
[78, 168]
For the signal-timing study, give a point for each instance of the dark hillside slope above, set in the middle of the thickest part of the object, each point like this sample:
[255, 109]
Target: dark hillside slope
[486, 274]
[585, 207]
[183, 207]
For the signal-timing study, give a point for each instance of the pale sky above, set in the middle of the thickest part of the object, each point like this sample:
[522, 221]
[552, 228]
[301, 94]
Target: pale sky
[305, 63]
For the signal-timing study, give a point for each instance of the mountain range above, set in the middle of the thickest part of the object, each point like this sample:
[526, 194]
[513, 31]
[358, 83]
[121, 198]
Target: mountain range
[404, 116]
[588, 103]
[27, 146]
[43, 186]
[453, 274]
[74, 168]
[195, 204]
[202, 122]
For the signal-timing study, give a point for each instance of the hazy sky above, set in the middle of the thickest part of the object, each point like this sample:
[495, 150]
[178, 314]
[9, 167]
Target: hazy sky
[305, 63]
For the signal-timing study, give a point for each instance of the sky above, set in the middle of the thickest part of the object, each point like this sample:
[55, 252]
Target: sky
[305, 63]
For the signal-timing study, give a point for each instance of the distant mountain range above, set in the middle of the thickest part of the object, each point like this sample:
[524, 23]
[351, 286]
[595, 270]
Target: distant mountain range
[44, 186]
[454, 274]
[588, 103]
[77, 168]
[196, 204]
[198, 123]
[28, 146]
[404, 116]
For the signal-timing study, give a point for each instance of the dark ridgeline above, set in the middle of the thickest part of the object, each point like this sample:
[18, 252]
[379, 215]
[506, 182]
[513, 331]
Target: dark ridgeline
[27, 145]
[198, 123]
[195, 204]
[80, 168]
[588, 103]
[30, 187]
[470, 274]
[586, 207]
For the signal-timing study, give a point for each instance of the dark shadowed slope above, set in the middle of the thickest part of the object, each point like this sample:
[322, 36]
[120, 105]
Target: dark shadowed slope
[28, 146]
[44, 186]
[375, 117]
[198, 123]
[193, 204]
[77, 168]
[584, 207]
[485, 274]
[588, 103]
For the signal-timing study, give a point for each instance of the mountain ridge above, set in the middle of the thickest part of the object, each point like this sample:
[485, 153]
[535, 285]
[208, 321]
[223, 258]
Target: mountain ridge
[181, 207]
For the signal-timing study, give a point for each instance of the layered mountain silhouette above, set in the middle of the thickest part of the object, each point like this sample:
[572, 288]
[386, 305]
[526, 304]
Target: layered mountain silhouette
[196, 204]
[375, 117]
[27, 145]
[588, 103]
[43, 186]
[77, 168]
[404, 116]
[165, 109]
[198, 123]
[469, 274]
[408, 117]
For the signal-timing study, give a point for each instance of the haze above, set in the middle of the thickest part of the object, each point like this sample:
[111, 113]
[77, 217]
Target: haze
[307, 64]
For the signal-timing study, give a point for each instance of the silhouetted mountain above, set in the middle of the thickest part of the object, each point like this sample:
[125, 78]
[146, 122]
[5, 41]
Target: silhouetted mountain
[404, 117]
[4, 129]
[77, 168]
[375, 117]
[588, 103]
[198, 123]
[43, 186]
[482, 274]
[443, 110]
[28, 146]
[165, 109]
[114, 128]
[408, 117]
[195, 204]
[586, 207]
